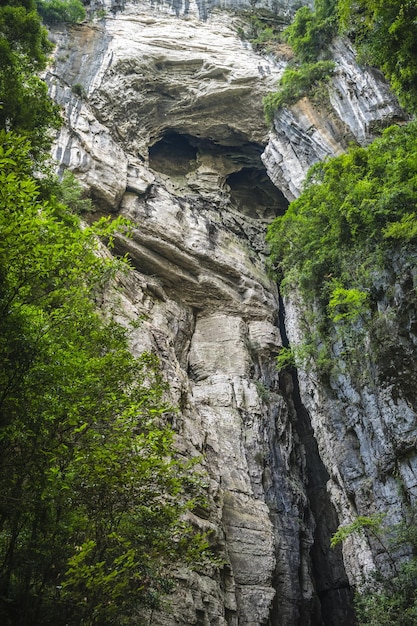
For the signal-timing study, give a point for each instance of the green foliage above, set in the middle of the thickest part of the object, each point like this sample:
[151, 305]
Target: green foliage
[312, 31]
[79, 90]
[100, 14]
[285, 359]
[263, 32]
[343, 230]
[72, 195]
[57, 11]
[263, 391]
[404, 230]
[341, 224]
[295, 84]
[25, 106]
[346, 304]
[303, 355]
[372, 523]
[92, 494]
[309, 36]
[385, 34]
[389, 600]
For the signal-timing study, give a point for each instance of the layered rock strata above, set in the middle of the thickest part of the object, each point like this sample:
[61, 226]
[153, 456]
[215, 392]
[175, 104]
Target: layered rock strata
[364, 417]
[164, 125]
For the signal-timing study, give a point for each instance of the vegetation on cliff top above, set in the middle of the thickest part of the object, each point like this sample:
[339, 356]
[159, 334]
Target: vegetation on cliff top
[354, 209]
[384, 35]
[92, 492]
[57, 11]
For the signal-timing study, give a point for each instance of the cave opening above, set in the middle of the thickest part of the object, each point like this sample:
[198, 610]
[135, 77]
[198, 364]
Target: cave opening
[238, 171]
[253, 192]
[173, 155]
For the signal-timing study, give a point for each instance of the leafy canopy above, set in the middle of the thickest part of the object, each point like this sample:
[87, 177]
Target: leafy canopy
[92, 495]
[56, 11]
[311, 31]
[24, 103]
[351, 210]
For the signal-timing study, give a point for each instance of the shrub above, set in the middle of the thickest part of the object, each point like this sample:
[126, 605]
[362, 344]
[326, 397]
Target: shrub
[56, 11]
[295, 84]
[79, 90]
[311, 32]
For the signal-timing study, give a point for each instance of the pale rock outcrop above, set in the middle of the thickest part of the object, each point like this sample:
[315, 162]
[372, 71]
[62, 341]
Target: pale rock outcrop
[359, 104]
[164, 124]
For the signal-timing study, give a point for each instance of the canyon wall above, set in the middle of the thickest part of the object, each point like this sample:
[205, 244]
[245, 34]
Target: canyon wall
[164, 125]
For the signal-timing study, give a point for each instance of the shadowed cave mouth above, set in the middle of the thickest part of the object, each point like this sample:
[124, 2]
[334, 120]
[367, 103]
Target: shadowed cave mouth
[244, 176]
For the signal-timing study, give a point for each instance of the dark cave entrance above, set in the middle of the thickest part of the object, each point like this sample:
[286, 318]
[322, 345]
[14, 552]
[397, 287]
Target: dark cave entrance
[173, 155]
[252, 191]
[242, 175]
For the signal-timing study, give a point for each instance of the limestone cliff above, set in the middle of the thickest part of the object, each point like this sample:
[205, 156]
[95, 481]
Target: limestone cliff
[164, 124]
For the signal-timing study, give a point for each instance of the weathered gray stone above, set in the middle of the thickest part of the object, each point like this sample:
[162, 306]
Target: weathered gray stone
[166, 127]
[359, 105]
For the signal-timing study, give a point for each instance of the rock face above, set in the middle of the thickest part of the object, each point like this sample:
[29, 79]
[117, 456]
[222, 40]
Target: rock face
[164, 124]
[358, 105]
[364, 417]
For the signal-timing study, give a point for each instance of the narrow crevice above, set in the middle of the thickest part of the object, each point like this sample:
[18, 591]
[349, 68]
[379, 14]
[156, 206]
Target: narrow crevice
[333, 604]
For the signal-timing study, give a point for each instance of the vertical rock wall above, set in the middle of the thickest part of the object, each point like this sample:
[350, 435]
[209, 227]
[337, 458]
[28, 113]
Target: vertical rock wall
[364, 416]
[164, 124]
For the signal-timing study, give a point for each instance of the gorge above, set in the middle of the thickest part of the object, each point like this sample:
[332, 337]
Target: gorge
[164, 125]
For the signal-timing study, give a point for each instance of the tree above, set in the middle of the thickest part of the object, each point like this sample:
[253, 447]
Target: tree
[25, 106]
[92, 494]
[311, 32]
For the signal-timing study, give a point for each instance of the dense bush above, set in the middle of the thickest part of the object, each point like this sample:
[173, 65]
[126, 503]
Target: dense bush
[56, 11]
[263, 31]
[351, 209]
[385, 34]
[389, 601]
[311, 31]
[295, 83]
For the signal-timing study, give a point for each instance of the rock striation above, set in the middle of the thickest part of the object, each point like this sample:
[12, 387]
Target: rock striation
[164, 124]
[356, 107]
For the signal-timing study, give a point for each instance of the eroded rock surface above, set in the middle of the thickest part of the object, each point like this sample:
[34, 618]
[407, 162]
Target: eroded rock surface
[357, 105]
[164, 124]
